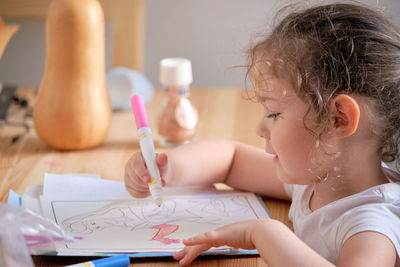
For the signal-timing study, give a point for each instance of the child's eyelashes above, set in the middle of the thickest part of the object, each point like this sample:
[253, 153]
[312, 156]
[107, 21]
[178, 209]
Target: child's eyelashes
[273, 115]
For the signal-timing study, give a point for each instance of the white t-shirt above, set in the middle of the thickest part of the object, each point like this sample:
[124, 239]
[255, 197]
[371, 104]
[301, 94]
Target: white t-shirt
[326, 229]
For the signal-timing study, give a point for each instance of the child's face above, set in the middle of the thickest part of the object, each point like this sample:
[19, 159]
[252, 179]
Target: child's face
[285, 134]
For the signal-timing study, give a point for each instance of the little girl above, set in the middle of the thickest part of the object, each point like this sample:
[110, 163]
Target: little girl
[329, 80]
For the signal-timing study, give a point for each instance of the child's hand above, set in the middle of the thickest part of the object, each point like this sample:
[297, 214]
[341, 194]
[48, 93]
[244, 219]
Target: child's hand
[137, 176]
[237, 235]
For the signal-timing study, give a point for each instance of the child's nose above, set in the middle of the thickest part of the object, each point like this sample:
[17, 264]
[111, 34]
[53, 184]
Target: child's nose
[263, 132]
[262, 129]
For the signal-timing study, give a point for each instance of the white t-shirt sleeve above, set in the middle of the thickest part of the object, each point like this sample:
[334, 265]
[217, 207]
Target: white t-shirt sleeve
[384, 220]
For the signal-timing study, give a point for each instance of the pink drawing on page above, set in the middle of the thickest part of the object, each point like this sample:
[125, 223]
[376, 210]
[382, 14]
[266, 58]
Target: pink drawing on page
[163, 231]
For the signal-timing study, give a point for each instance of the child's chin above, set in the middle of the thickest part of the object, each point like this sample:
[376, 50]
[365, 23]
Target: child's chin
[287, 179]
[282, 176]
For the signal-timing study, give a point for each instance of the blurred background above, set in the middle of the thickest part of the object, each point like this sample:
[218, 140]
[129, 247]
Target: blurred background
[213, 34]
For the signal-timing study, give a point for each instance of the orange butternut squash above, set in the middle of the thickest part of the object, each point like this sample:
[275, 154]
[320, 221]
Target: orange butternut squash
[72, 108]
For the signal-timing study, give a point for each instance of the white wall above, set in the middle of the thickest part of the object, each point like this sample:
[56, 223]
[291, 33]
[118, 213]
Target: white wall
[212, 33]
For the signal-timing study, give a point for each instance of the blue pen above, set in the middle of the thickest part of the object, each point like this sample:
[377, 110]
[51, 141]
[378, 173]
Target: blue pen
[115, 261]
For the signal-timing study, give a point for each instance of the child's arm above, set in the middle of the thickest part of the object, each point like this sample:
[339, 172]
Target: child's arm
[368, 249]
[277, 244]
[210, 161]
[236, 164]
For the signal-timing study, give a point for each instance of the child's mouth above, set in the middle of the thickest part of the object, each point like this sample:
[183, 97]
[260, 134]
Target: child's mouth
[275, 159]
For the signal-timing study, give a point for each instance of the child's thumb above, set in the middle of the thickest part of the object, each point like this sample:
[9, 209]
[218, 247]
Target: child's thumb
[162, 160]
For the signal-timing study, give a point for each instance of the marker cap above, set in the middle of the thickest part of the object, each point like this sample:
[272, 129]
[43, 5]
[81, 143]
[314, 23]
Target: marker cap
[139, 111]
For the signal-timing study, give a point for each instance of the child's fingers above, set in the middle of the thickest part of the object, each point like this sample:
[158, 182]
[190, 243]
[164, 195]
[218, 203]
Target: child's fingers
[136, 187]
[137, 191]
[162, 159]
[136, 176]
[162, 162]
[139, 167]
[211, 238]
[188, 254]
[180, 254]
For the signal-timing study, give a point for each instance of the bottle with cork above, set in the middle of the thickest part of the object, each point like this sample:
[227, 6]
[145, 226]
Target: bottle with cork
[178, 117]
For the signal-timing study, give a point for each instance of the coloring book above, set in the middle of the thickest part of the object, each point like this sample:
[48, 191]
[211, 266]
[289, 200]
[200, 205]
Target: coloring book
[107, 220]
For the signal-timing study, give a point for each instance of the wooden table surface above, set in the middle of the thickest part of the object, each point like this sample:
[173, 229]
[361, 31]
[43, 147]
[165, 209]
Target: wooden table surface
[223, 113]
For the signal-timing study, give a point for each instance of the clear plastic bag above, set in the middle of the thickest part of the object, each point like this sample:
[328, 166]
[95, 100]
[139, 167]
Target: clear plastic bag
[23, 232]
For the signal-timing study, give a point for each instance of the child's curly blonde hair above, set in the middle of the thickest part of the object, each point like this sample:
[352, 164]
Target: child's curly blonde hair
[338, 49]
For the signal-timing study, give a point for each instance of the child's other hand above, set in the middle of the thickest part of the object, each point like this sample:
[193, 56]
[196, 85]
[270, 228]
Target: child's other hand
[236, 235]
[137, 176]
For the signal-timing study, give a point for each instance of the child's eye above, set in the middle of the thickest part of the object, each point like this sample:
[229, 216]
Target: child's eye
[273, 115]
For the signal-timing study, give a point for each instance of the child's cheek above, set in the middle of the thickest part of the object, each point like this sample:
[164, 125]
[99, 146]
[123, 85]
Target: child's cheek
[292, 148]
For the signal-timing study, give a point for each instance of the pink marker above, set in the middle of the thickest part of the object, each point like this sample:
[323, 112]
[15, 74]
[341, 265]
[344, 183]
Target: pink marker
[147, 147]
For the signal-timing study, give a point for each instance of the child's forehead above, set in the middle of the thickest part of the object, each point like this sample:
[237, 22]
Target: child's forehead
[273, 89]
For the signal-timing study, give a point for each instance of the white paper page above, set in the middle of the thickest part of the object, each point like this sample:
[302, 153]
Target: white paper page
[78, 185]
[31, 198]
[138, 225]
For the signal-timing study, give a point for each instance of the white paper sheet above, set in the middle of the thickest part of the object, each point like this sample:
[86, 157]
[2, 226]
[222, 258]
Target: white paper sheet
[110, 221]
[77, 185]
[130, 225]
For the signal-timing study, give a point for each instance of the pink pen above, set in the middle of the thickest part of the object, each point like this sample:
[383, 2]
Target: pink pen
[147, 147]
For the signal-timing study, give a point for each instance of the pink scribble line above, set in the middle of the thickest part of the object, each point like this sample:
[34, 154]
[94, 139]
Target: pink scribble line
[164, 230]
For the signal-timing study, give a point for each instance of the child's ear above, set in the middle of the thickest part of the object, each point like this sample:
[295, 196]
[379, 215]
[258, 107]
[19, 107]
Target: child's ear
[345, 115]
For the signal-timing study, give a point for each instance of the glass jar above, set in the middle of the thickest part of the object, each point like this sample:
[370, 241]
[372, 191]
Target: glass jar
[178, 118]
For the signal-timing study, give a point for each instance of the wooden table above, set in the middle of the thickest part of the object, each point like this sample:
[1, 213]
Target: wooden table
[222, 113]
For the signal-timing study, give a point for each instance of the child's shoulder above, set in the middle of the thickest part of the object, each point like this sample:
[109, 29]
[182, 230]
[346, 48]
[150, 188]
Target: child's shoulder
[376, 209]
[387, 194]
